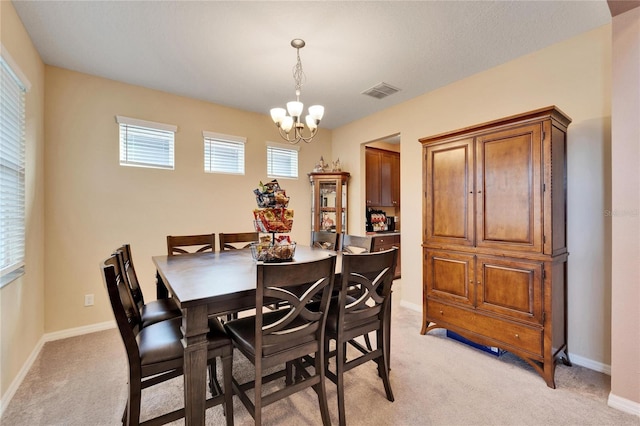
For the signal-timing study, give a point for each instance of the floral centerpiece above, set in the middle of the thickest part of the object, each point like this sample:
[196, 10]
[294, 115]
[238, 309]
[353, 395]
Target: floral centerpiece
[272, 216]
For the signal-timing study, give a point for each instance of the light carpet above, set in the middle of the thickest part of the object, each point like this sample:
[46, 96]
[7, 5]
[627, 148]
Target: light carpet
[436, 381]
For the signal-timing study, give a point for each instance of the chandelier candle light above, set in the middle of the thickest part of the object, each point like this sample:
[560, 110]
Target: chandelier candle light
[285, 122]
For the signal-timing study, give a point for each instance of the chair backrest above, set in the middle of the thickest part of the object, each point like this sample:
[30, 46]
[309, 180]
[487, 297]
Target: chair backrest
[124, 309]
[325, 240]
[296, 284]
[373, 274]
[176, 244]
[129, 274]
[356, 244]
[232, 241]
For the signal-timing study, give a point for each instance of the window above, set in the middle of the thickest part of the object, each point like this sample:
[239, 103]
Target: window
[223, 153]
[146, 143]
[13, 86]
[282, 160]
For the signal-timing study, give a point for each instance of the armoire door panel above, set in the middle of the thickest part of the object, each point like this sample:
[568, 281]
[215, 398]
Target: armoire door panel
[449, 201]
[449, 276]
[508, 189]
[509, 287]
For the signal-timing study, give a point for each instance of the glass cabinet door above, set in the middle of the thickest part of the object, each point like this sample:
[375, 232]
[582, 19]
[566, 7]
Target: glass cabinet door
[329, 201]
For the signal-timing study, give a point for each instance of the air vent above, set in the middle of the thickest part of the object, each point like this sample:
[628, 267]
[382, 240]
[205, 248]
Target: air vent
[381, 90]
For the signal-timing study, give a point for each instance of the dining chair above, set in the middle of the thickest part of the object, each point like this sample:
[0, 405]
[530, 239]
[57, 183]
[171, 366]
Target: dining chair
[178, 244]
[231, 241]
[282, 337]
[356, 244]
[184, 244]
[352, 317]
[150, 312]
[325, 240]
[155, 352]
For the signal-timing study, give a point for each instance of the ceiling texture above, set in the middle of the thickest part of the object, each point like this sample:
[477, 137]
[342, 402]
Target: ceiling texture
[238, 53]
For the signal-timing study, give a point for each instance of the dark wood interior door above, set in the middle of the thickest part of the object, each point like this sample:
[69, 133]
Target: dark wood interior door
[372, 170]
[395, 180]
[386, 173]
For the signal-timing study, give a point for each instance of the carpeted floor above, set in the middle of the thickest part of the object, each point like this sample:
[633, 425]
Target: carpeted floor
[436, 381]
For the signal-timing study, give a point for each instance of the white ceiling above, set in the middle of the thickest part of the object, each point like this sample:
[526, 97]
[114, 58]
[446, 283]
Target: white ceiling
[237, 53]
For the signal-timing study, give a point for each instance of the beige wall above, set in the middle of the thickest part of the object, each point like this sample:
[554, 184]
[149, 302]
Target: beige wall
[22, 301]
[95, 205]
[575, 75]
[625, 209]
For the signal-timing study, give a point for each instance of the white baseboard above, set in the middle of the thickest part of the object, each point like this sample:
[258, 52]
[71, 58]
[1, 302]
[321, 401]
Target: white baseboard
[78, 331]
[15, 384]
[49, 337]
[590, 364]
[412, 306]
[624, 404]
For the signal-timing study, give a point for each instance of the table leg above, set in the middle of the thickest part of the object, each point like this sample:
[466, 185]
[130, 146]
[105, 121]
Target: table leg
[195, 327]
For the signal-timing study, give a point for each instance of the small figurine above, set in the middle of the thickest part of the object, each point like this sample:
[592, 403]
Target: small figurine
[321, 166]
[336, 166]
[327, 222]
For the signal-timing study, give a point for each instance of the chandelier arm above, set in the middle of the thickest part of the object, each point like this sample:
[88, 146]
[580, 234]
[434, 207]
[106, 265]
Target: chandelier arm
[297, 136]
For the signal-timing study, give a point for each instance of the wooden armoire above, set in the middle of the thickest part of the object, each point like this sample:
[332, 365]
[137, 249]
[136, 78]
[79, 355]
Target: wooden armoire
[495, 235]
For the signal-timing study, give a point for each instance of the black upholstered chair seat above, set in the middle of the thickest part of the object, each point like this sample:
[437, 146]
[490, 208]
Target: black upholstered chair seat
[161, 342]
[159, 310]
[244, 330]
[331, 328]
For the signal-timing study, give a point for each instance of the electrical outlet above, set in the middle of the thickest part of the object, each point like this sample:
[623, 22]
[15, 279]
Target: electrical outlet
[88, 300]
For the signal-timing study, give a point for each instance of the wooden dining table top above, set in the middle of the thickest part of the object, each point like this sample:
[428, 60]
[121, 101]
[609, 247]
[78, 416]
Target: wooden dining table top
[223, 280]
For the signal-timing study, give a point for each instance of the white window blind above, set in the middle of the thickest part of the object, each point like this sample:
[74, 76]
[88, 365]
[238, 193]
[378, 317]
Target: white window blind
[223, 153]
[13, 86]
[146, 143]
[282, 160]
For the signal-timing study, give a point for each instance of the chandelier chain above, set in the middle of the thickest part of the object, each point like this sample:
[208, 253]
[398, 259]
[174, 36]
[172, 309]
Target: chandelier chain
[298, 75]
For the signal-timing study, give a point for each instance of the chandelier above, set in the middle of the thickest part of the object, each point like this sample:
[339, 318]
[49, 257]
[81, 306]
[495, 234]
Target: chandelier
[290, 126]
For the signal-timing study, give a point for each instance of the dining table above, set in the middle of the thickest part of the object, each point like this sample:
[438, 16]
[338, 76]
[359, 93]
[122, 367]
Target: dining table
[213, 284]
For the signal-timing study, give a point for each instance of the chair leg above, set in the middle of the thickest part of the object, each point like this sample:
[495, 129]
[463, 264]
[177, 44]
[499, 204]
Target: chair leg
[227, 371]
[288, 379]
[257, 411]
[321, 389]
[383, 363]
[133, 405]
[367, 341]
[214, 385]
[340, 361]
[326, 351]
